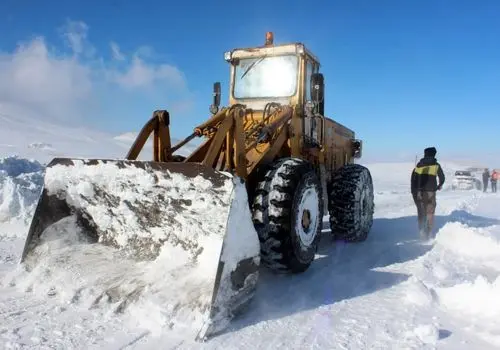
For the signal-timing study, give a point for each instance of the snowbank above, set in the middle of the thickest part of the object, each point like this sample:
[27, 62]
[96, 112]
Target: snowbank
[460, 274]
[21, 181]
[477, 304]
[476, 299]
[479, 246]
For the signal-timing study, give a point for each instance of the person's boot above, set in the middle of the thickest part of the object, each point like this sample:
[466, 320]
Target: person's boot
[422, 228]
[430, 225]
[421, 223]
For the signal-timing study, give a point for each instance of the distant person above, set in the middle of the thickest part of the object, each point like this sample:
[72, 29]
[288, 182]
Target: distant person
[423, 189]
[486, 177]
[494, 178]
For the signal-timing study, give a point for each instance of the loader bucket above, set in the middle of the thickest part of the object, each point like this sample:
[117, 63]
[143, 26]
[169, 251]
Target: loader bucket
[177, 233]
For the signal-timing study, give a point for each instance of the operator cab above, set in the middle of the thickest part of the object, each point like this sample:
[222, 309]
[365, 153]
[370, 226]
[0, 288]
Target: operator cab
[286, 74]
[282, 74]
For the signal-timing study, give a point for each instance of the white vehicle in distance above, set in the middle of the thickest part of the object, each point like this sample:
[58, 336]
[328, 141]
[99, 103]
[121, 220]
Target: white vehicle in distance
[465, 180]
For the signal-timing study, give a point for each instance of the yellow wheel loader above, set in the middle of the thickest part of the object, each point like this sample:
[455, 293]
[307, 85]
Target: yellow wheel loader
[269, 167]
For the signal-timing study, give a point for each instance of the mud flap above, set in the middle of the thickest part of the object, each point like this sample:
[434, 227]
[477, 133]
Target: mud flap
[189, 224]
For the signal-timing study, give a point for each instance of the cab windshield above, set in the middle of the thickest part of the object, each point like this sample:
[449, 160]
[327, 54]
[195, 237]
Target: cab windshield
[264, 77]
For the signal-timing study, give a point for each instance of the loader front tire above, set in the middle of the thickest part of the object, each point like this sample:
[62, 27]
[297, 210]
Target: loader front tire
[351, 203]
[287, 214]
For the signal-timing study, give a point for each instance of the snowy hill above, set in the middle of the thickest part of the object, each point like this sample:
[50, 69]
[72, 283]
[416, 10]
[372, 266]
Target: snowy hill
[24, 134]
[391, 291]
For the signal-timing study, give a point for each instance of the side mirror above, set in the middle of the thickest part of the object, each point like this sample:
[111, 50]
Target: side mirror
[357, 148]
[318, 92]
[214, 107]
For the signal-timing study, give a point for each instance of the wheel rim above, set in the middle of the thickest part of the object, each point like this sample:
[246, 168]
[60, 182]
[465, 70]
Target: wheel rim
[307, 223]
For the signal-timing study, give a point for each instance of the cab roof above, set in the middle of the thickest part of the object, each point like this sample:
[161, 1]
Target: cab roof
[270, 49]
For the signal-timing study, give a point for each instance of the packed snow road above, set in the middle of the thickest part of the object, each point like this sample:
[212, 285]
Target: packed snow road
[391, 291]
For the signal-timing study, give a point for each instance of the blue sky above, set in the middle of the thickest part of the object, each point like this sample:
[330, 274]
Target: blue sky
[402, 74]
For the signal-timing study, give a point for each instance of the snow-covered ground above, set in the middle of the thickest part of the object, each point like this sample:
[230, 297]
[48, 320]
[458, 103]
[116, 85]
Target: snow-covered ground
[391, 291]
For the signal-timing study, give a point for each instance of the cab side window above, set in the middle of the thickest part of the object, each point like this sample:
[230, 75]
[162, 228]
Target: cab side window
[309, 71]
[311, 68]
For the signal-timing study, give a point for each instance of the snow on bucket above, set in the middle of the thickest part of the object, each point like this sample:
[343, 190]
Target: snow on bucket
[124, 233]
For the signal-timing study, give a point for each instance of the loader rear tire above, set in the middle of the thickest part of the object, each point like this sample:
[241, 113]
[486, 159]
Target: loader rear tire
[351, 203]
[287, 213]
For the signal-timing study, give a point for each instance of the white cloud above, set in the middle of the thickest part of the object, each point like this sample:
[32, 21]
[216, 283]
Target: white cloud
[143, 75]
[145, 51]
[115, 51]
[32, 76]
[75, 33]
[65, 85]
